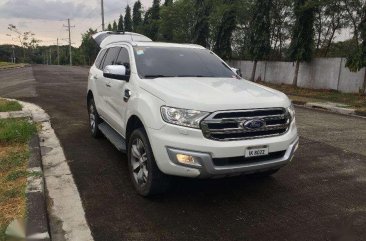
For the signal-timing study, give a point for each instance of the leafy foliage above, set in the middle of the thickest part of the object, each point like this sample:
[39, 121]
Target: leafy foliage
[137, 17]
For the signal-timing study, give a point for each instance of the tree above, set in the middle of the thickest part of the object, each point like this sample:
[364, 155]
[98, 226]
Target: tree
[120, 26]
[225, 30]
[26, 39]
[259, 36]
[137, 16]
[302, 41]
[357, 60]
[128, 20]
[114, 26]
[109, 28]
[155, 17]
[168, 2]
[88, 47]
[201, 32]
[329, 18]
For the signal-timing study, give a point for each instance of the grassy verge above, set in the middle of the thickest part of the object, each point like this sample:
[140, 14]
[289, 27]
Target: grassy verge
[6, 105]
[310, 95]
[6, 65]
[14, 153]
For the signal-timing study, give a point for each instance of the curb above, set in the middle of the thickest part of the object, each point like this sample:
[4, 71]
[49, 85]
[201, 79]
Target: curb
[14, 67]
[329, 108]
[37, 221]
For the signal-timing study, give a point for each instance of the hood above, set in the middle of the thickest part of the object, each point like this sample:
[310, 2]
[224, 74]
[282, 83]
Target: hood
[213, 94]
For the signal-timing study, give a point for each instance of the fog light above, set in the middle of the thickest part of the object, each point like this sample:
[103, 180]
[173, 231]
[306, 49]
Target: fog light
[186, 159]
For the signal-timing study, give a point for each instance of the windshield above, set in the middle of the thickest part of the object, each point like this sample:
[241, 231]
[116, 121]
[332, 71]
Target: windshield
[159, 62]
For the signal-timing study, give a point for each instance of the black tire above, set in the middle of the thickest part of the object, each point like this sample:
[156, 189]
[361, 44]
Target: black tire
[265, 174]
[94, 120]
[145, 175]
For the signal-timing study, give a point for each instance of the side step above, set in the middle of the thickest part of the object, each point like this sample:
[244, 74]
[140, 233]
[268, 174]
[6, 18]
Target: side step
[116, 139]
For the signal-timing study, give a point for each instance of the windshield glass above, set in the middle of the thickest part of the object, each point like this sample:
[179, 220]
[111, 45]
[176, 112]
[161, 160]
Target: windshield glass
[155, 62]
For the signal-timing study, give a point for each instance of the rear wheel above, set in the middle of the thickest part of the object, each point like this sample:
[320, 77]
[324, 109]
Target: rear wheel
[94, 119]
[145, 174]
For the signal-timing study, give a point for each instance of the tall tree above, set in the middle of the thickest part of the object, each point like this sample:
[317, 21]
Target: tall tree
[128, 20]
[302, 41]
[137, 16]
[357, 60]
[201, 31]
[114, 27]
[168, 2]
[259, 36]
[120, 26]
[155, 17]
[109, 28]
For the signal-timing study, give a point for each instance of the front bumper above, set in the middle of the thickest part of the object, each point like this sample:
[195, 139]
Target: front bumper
[172, 140]
[207, 167]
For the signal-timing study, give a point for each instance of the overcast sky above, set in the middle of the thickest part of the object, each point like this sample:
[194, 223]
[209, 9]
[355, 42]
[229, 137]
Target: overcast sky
[46, 18]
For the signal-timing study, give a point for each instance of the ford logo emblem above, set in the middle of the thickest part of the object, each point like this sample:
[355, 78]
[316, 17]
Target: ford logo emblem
[254, 124]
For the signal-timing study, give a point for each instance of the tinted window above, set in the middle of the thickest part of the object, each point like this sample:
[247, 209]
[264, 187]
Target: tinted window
[123, 58]
[111, 57]
[155, 62]
[99, 59]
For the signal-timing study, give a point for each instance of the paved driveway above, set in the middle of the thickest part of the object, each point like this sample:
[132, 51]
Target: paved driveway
[319, 196]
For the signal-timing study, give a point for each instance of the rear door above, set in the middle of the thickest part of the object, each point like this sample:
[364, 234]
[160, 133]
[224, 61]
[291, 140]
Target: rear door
[96, 77]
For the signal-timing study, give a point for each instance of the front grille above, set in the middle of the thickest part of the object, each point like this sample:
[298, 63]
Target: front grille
[232, 161]
[230, 125]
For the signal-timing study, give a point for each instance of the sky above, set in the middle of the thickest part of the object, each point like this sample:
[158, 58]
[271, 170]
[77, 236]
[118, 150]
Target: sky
[45, 18]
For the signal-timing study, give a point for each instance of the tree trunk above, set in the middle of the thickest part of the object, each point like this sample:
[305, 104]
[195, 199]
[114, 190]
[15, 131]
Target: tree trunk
[294, 82]
[364, 84]
[254, 70]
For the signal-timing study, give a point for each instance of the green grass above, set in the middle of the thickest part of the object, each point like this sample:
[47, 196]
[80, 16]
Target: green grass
[16, 131]
[14, 155]
[6, 105]
[356, 101]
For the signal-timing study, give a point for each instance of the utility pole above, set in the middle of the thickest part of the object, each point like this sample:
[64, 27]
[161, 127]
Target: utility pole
[58, 53]
[13, 57]
[103, 26]
[50, 56]
[69, 29]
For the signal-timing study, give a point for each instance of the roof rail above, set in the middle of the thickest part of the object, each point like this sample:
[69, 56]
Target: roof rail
[106, 37]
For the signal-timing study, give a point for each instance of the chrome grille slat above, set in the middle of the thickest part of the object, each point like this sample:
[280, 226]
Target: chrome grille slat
[217, 128]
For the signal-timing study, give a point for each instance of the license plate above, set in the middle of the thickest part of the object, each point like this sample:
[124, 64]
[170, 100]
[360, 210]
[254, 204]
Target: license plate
[256, 151]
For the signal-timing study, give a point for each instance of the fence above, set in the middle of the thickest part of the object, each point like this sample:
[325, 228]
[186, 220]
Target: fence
[321, 73]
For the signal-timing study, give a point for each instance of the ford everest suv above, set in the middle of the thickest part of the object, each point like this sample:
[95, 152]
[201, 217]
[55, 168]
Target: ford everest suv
[180, 110]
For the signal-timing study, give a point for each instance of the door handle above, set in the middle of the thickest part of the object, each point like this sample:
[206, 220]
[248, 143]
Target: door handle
[108, 85]
[95, 77]
[127, 95]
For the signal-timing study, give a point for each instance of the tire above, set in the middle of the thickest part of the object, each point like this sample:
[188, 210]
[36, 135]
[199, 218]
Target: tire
[145, 175]
[264, 174]
[94, 119]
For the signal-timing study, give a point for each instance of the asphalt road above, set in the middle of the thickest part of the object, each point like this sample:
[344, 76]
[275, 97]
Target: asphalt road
[319, 196]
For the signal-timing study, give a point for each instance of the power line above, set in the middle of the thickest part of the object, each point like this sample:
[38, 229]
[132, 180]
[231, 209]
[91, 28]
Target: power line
[68, 26]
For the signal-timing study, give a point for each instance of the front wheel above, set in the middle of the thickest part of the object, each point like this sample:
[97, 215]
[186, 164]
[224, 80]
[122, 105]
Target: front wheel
[145, 174]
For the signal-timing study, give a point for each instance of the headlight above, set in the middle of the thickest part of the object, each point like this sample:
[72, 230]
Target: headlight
[291, 111]
[182, 117]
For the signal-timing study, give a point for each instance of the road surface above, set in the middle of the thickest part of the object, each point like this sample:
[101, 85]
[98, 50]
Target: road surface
[319, 196]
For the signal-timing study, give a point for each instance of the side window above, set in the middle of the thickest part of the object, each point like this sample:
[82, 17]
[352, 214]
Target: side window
[124, 59]
[111, 57]
[99, 59]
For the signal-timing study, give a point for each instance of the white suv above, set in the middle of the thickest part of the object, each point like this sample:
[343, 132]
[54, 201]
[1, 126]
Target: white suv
[180, 110]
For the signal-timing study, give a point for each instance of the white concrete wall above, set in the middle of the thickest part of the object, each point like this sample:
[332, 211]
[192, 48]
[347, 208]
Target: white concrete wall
[321, 73]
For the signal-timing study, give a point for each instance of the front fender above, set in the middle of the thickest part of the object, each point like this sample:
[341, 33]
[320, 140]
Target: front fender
[147, 108]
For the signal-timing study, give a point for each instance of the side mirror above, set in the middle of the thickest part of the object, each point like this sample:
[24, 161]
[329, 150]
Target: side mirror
[116, 72]
[237, 71]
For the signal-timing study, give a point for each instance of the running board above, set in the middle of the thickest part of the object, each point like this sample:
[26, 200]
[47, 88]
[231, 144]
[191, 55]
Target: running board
[116, 139]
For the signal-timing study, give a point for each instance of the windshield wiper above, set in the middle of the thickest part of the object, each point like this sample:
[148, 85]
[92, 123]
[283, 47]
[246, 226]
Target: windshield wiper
[203, 76]
[153, 76]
